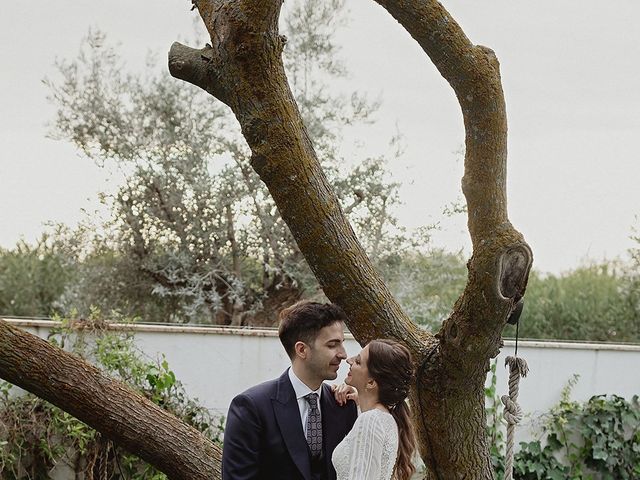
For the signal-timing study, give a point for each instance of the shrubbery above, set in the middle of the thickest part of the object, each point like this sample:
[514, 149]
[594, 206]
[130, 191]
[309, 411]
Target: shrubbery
[595, 440]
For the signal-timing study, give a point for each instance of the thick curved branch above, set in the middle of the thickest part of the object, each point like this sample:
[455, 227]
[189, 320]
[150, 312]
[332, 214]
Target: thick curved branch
[453, 379]
[248, 67]
[473, 72]
[112, 408]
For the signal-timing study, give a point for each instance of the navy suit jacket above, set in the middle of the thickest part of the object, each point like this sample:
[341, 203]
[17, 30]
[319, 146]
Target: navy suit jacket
[264, 439]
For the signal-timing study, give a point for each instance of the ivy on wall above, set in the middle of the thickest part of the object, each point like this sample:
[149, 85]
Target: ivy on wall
[594, 440]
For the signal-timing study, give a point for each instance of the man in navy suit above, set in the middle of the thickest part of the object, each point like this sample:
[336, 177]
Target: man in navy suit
[287, 428]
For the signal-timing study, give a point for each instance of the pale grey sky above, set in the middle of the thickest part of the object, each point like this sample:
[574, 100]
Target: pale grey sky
[570, 75]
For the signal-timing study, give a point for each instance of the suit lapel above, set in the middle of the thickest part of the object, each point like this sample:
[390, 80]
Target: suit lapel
[287, 413]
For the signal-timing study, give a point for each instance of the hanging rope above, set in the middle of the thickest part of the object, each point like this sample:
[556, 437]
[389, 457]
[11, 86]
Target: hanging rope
[512, 412]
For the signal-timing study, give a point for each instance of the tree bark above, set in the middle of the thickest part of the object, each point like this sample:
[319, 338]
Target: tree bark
[119, 413]
[243, 68]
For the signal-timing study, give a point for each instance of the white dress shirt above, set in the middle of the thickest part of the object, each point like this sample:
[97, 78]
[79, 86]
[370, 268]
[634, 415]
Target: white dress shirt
[301, 390]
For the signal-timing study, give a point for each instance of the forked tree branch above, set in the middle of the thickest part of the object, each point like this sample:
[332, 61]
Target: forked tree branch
[448, 397]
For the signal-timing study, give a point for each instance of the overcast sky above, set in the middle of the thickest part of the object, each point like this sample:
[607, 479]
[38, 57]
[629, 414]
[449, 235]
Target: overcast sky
[570, 76]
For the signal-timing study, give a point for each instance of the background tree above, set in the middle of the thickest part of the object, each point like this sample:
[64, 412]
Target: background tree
[426, 284]
[593, 302]
[193, 218]
[33, 278]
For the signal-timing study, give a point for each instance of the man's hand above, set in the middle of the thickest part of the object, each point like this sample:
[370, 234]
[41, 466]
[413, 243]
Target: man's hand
[344, 393]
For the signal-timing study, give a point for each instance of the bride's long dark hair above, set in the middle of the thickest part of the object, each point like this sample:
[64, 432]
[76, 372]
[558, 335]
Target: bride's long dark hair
[390, 365]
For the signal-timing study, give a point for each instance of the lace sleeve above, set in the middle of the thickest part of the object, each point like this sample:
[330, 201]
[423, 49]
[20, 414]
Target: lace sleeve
[367, 448]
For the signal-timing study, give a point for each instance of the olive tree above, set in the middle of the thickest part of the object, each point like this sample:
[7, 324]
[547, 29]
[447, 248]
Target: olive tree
[192, 227]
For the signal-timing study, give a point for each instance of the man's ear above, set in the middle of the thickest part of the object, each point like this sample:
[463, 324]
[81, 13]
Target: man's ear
[301, 350]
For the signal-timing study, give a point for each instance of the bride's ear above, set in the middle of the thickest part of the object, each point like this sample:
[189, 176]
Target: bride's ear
[371, 384]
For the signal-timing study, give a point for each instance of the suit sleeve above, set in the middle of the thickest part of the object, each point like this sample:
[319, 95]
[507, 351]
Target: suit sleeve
[353, 414]
[241, 447]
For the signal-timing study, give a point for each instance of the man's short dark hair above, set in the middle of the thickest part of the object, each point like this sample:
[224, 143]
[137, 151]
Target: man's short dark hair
[302, 321]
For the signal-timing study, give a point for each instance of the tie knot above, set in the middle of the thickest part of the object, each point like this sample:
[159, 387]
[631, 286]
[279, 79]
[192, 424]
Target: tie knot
[312, 398]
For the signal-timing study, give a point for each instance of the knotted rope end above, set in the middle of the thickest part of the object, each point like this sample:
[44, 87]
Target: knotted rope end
[517, 364]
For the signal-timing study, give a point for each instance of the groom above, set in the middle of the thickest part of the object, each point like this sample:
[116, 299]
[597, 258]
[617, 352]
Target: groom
[287, 428]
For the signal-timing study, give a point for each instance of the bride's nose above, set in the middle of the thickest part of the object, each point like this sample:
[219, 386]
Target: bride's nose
[350, 360]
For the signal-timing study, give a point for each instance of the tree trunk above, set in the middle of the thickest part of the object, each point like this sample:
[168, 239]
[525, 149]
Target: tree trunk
[116, 411]
[243, 68]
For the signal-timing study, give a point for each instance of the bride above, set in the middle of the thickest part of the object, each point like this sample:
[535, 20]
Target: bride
[381, 444]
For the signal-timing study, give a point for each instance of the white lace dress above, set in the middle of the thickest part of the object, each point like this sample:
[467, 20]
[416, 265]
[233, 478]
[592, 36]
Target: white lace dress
[369, 450]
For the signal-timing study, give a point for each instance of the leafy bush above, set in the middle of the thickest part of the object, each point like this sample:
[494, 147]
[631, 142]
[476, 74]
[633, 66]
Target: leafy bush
[33, 277]
[595, 440]
[35, 436]
[593, 302]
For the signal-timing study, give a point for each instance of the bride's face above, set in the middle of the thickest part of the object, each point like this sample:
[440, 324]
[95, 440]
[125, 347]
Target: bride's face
[358, 375]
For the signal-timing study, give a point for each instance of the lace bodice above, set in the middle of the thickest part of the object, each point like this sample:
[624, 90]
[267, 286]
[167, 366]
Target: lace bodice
[369, 450]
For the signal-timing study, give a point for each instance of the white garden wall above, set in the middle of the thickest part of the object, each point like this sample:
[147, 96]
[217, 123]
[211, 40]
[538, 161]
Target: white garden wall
[215, 363]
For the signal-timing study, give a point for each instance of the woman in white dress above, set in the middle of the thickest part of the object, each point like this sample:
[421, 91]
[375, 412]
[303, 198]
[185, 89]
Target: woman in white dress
[381, 444]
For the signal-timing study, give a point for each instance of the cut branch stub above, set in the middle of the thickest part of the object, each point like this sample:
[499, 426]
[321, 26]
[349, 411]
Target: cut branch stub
[196, 67]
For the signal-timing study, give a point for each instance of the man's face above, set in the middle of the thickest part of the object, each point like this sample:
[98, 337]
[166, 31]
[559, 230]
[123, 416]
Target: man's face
[326, 352]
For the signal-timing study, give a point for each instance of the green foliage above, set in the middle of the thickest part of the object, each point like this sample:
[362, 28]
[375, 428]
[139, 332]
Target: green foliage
[35, 436]
[533, 462]
[594, 302]
[595, 440]
[598, 440]
[33, 278]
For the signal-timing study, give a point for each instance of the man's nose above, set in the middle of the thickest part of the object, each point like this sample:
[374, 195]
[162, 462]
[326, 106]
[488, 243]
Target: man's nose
[342, 353]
